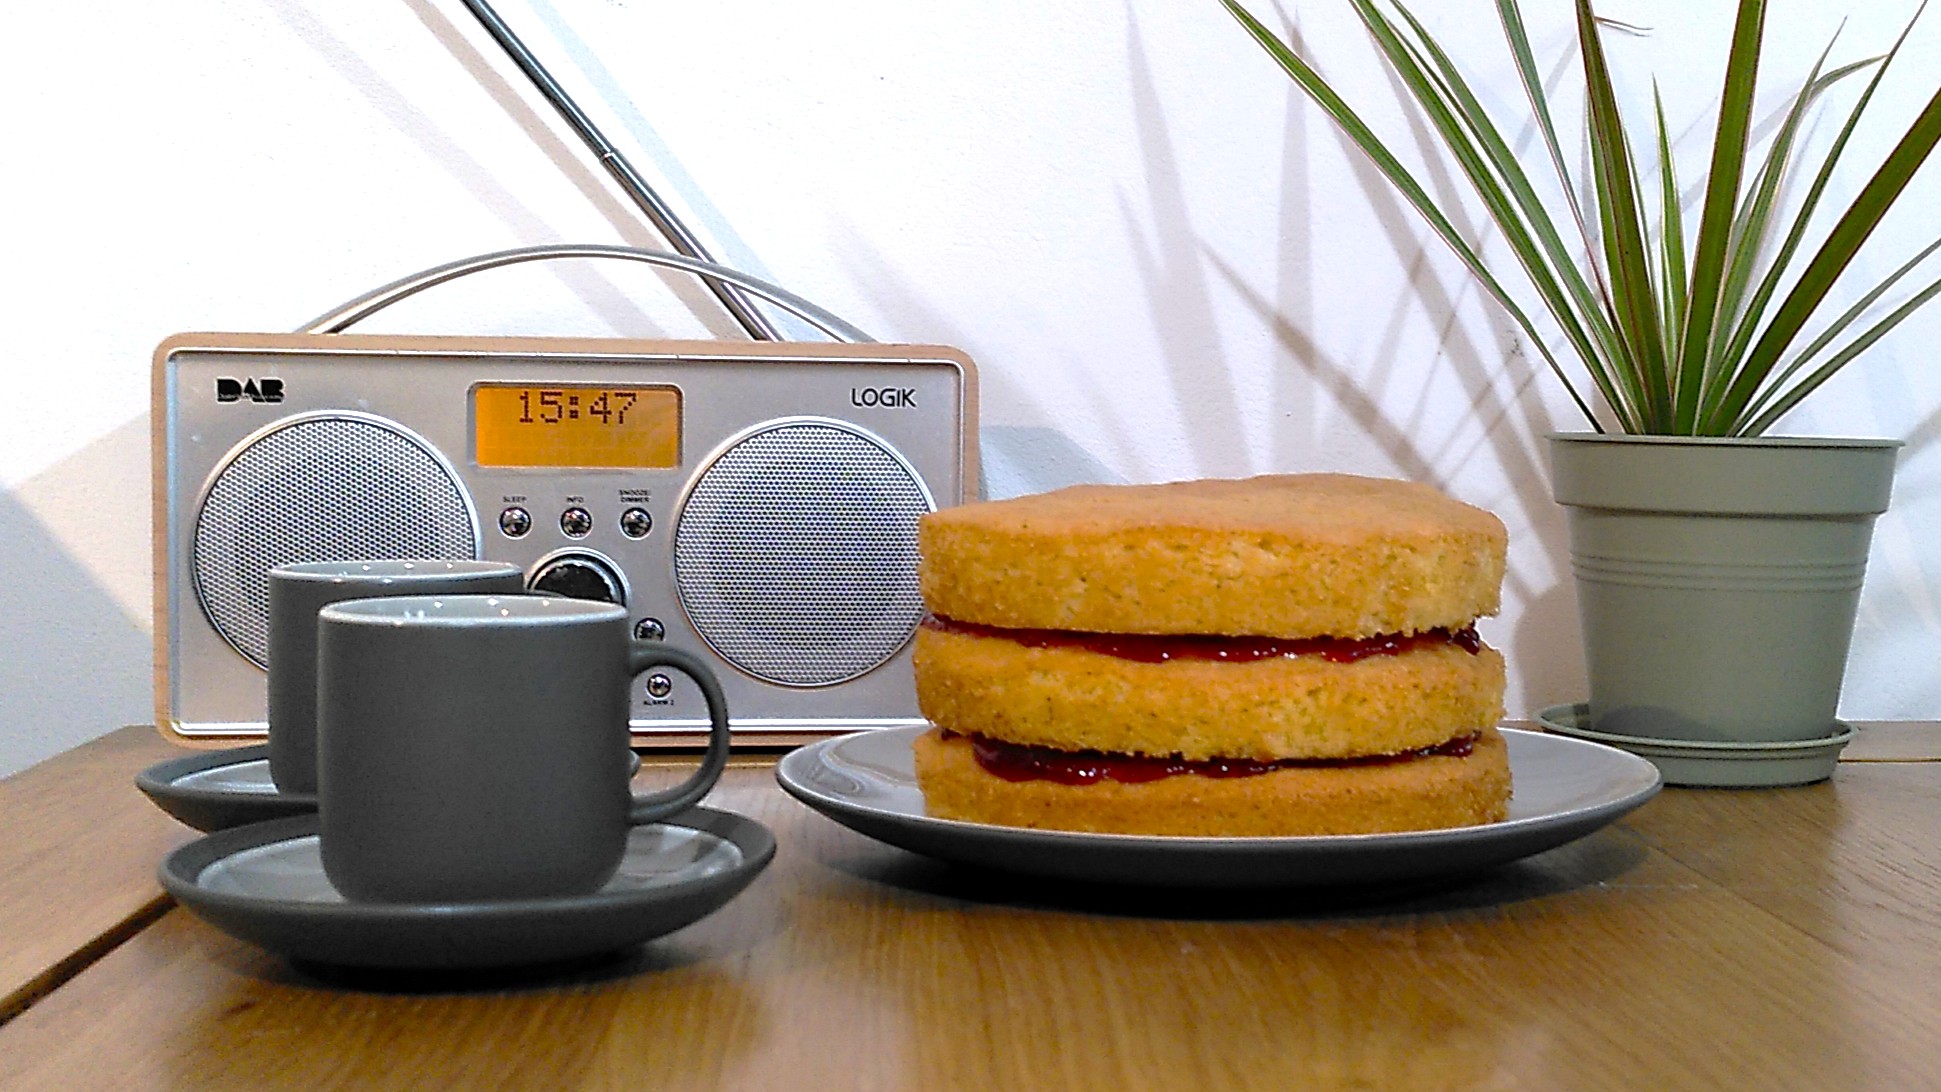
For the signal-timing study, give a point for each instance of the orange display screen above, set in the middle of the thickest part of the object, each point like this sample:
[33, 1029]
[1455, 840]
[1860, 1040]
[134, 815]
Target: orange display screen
[570, 425]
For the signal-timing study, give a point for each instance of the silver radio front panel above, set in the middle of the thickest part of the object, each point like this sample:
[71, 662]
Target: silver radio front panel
[776, 539]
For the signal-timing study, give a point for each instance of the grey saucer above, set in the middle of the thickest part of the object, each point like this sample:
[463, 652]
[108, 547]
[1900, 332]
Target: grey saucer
[264, 883]
[1563, 789]
[1702, 763]
[216, 790]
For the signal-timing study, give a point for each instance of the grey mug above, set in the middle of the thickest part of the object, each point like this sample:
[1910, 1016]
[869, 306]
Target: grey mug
[475, 747]
[297, 592]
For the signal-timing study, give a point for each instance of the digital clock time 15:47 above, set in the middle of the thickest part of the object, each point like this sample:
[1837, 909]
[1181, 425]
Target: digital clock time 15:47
[567, 425]
[557, 405]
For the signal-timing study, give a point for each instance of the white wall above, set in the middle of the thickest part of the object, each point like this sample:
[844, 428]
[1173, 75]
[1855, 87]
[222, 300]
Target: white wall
[1165, 263]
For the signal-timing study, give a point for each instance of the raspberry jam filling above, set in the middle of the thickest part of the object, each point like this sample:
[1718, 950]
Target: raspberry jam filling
[1155, 648]
[1020, 762]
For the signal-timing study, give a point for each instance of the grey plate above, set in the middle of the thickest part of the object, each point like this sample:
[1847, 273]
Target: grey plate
[216, 790]
[265, 884]
[1563, 789]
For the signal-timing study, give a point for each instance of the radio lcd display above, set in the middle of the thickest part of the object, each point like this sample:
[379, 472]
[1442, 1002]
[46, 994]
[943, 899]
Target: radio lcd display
[568, 425]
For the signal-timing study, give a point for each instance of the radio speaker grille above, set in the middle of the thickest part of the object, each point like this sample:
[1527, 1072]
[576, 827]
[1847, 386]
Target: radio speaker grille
[325, 488]
[795, 553]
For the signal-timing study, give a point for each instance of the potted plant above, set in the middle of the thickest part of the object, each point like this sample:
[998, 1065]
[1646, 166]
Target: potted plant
[1718, 569]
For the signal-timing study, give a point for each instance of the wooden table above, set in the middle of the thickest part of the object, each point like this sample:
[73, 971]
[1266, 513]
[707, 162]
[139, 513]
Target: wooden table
[1785, 938]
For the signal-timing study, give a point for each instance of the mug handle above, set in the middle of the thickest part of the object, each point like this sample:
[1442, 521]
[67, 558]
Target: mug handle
[653, 807]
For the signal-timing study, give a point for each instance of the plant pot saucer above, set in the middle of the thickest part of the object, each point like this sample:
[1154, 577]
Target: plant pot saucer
[1709, 763]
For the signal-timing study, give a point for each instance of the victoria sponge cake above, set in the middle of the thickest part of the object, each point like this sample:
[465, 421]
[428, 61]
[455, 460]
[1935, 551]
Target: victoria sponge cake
[1279, 655]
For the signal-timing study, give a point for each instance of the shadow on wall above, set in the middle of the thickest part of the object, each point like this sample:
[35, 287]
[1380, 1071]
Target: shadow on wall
[1180, 274]
[1022, 459]
[441, 148]
[1498, 379]
[77, 666]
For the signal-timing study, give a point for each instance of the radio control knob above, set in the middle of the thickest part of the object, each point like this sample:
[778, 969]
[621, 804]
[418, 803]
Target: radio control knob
[576, 522]
[515, 521]
[580, 576]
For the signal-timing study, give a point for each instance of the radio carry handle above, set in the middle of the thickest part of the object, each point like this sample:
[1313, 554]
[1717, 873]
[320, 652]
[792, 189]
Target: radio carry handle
[341, 317]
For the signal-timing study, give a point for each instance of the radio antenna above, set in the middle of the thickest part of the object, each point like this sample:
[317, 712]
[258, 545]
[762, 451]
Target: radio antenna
[657, 211]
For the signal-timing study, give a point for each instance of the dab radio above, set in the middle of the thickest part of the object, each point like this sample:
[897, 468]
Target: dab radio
[754, 503]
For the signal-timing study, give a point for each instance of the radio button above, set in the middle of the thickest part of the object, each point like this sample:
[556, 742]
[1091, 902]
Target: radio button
[576, 522]
[514, 522]
[659, 685]
[649, 629]
[636, 523]
[580, 577]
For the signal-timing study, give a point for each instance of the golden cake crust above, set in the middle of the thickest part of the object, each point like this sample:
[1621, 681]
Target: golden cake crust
[1279, 555]
[1283, 707]
[1417, 794]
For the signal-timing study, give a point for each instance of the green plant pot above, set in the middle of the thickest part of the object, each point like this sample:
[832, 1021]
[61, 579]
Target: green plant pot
[1717, 581]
